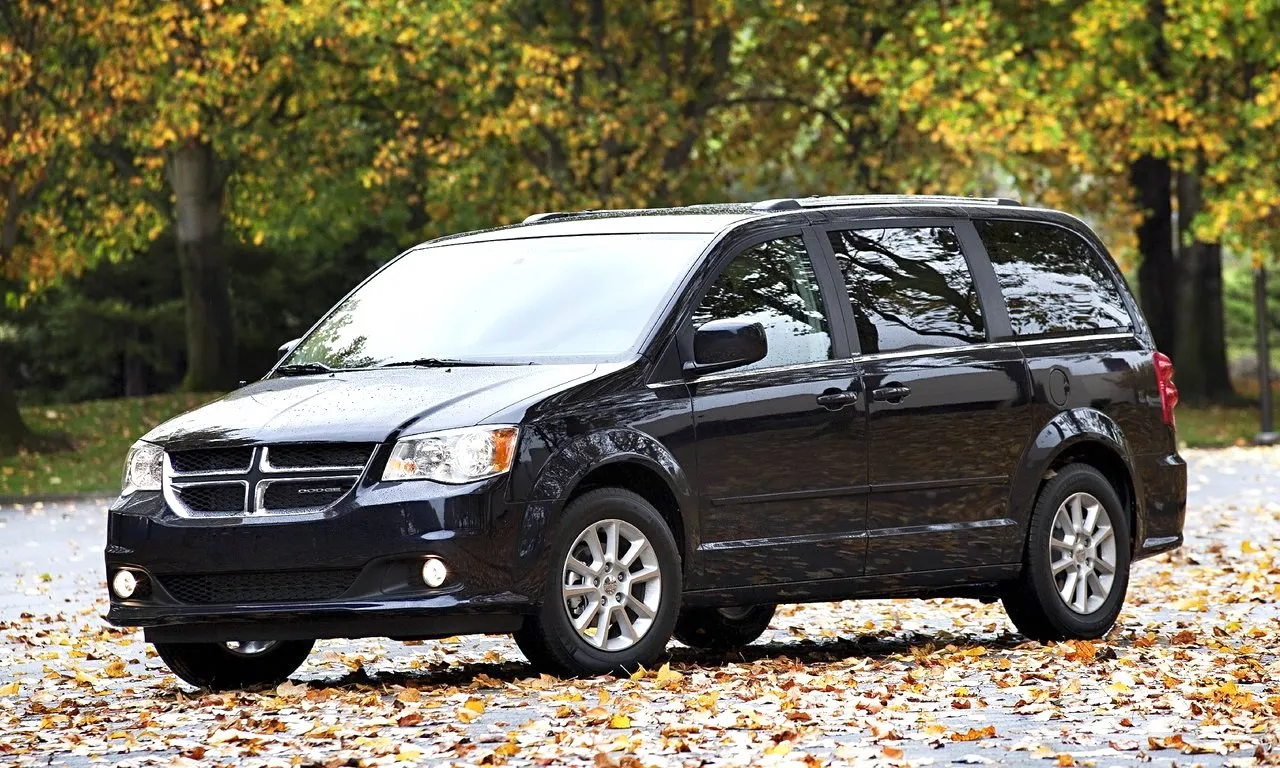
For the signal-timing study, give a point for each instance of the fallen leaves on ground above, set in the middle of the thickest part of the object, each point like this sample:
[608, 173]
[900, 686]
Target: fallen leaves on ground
[1192, 669]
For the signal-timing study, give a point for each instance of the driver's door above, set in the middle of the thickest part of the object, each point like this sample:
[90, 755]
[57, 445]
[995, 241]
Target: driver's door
[781, 443]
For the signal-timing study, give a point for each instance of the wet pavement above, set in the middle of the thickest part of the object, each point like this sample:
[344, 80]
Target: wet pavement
[1188, 677]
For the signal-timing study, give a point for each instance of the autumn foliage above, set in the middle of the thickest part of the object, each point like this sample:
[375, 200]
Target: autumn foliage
[295, 126]
[319, 111]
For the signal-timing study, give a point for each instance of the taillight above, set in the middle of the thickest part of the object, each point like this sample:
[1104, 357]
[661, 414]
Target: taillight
[1164, 382]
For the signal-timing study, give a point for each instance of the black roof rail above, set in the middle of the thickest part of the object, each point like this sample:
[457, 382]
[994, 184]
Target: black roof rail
[547, 216]
[739, 208]
[785, 204]
[827, 201]
[777, 204]
[557, 215]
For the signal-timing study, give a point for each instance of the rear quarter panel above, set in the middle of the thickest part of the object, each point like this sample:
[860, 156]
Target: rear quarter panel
[1111, 400]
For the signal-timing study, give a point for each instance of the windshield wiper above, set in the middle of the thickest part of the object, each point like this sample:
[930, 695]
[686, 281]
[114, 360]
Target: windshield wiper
[439, 362]
[302, 369]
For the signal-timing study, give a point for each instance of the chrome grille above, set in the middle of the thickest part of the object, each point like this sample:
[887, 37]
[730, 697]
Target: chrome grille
[266, 480]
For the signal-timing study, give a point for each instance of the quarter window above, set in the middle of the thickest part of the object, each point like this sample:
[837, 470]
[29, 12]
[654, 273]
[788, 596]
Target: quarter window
[774, 284]
[909, 287]
[1053, 281]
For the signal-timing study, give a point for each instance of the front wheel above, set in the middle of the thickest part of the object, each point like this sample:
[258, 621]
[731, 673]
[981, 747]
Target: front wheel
[1076, 568]
[613, 593]
[242, 664]
[723, 629]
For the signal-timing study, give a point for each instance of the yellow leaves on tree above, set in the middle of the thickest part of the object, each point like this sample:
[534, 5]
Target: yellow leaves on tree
[448, 115]
[48, 109]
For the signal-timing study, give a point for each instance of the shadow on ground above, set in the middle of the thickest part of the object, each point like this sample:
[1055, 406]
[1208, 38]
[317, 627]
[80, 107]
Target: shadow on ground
[803, 652]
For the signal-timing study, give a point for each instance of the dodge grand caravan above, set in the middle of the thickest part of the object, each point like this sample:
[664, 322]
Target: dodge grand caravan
[596, 430]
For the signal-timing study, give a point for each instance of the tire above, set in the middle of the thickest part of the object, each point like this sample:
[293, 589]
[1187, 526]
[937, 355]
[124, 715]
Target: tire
[1035, 602]
[217, 666]
[549, 639]
[723, 629]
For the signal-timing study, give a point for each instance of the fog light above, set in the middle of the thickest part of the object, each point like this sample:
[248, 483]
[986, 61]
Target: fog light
[123, 584]
[433, 572]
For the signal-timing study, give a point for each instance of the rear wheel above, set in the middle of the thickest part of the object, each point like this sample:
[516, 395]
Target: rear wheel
[723, 629]
[1076, 567]
[236, 664]
[613, 593]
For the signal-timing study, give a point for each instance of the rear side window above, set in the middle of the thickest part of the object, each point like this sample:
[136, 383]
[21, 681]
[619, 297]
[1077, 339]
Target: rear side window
[774, 284]
[909, 287]
[1053, 281]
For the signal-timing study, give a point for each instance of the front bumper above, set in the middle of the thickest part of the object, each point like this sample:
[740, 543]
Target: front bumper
[353, 570]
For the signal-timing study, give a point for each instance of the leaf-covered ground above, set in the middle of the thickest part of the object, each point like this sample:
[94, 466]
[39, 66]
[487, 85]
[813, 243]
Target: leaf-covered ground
[1190, 676]
[100, 430]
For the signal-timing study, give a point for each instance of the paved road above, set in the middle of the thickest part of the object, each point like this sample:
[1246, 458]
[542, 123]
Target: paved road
[1189, 677]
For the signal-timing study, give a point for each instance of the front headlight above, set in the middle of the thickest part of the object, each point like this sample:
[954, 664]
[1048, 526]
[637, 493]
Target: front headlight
[142, 468]
[454, 456]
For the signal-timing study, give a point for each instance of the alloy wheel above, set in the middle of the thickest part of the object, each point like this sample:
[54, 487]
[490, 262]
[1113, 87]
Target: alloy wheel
[611, 585]
[1082, 553]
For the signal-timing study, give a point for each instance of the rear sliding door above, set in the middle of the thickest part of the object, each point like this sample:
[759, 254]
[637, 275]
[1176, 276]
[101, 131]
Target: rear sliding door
[947, 408]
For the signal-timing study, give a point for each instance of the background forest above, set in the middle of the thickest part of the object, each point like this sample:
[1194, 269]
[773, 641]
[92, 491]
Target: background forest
[186, 185]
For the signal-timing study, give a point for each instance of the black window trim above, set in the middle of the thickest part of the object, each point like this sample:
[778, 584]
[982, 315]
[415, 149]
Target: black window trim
[1108, 266]
[990, 299]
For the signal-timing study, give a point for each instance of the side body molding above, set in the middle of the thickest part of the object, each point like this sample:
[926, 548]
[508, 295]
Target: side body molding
[1067, 430]
[565, 469]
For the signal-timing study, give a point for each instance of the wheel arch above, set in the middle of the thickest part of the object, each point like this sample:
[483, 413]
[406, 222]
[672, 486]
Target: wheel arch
[634, 474]
[622, 458]
[1078, 436]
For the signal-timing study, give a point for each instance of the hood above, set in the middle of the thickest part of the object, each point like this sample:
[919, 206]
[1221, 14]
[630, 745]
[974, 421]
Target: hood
[363, 406]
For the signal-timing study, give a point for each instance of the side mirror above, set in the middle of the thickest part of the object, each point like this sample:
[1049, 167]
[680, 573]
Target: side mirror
[286, 348]
[723, 344]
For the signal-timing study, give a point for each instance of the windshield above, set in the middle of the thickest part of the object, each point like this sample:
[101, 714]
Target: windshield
[586, 297]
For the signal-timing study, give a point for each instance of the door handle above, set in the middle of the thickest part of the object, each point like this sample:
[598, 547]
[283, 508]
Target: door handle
[835, 399]
[893, 393]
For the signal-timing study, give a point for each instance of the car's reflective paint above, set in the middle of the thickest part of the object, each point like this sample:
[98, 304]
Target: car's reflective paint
[361, 405]
[773, 496]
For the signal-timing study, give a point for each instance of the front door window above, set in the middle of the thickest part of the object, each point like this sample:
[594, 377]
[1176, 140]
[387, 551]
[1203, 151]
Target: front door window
[774, 284]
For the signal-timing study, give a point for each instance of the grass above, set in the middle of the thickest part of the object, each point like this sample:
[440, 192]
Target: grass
[1217, 426]
[102, 431]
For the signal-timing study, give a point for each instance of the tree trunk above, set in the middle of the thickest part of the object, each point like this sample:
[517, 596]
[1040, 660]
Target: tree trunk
[1157, 274]
[198, 181]
[135, 375]
[14, 433]
[1201, 353]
